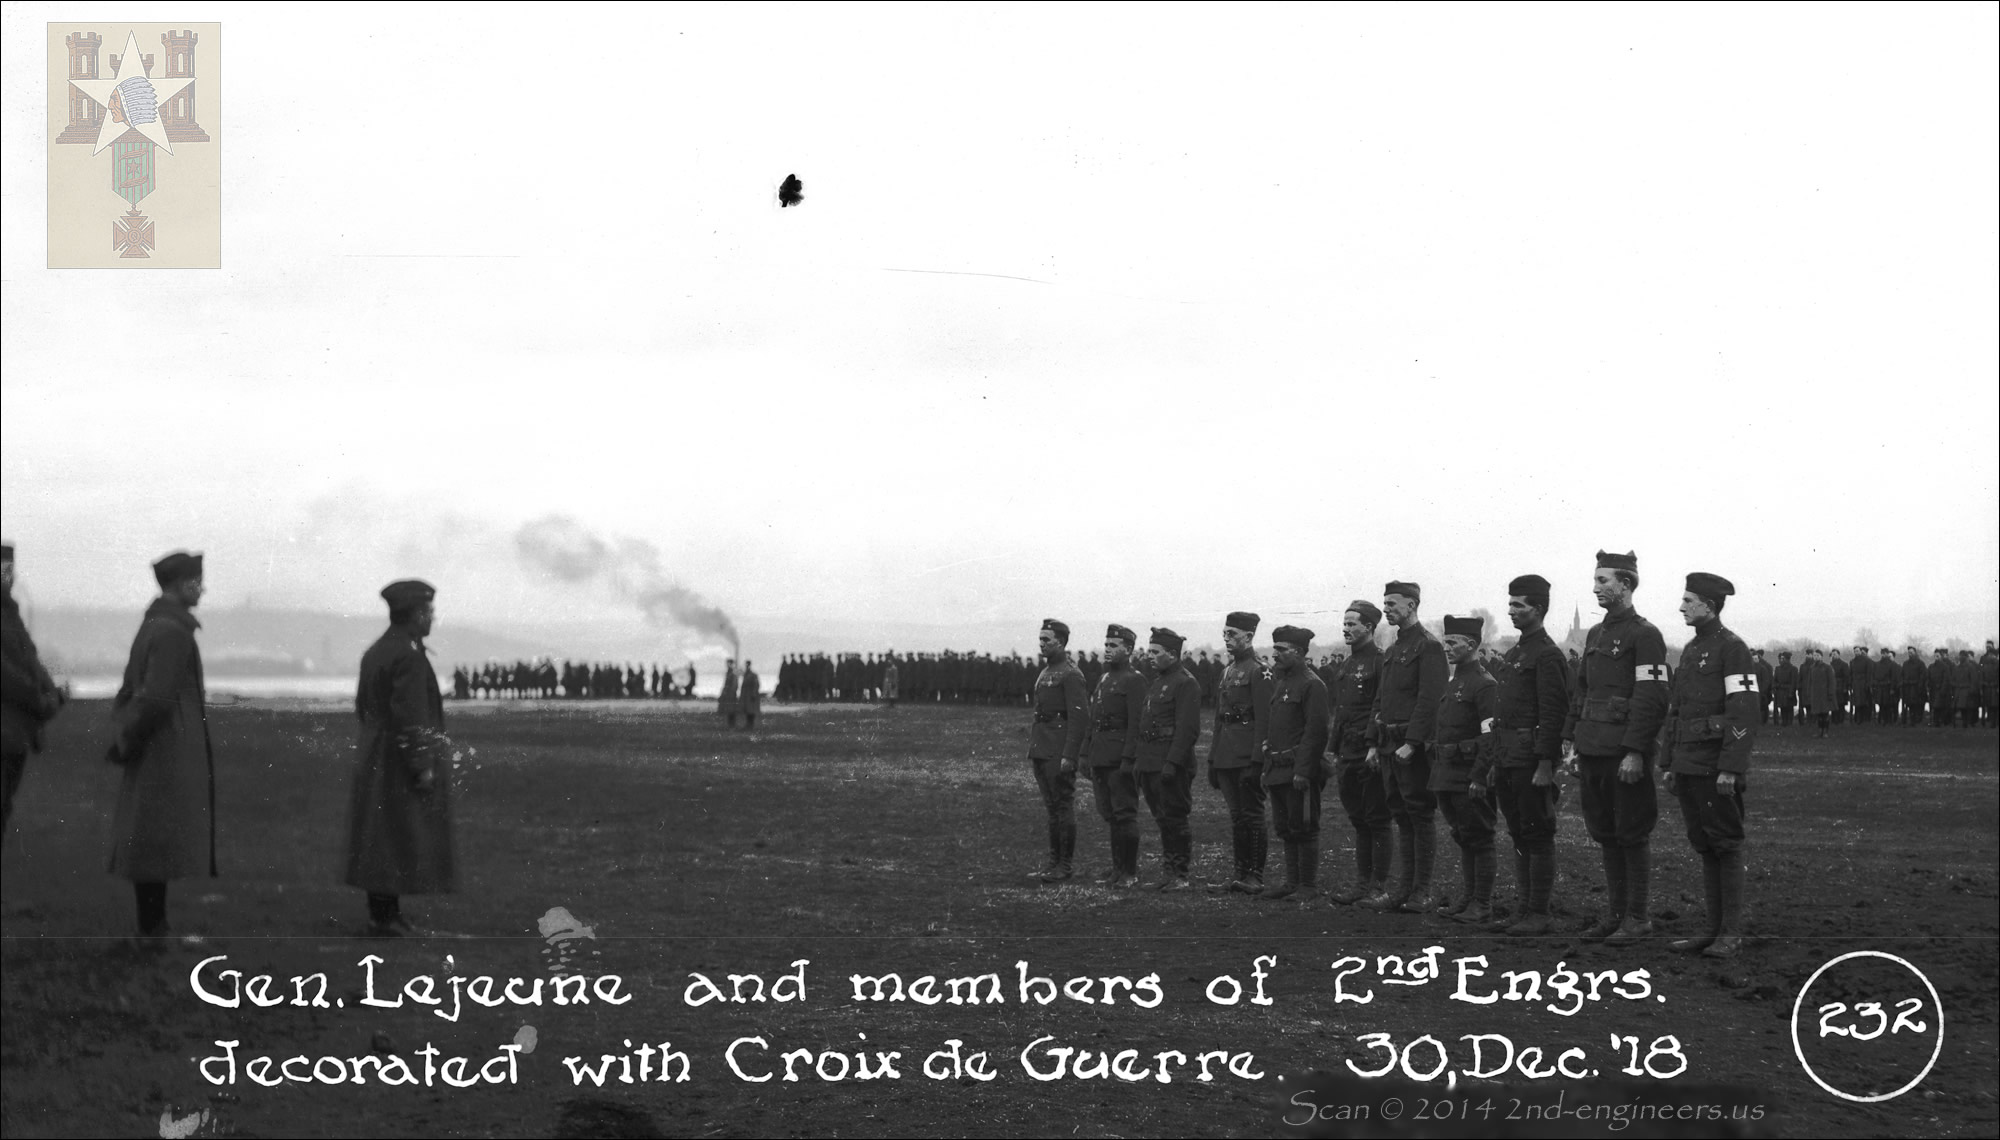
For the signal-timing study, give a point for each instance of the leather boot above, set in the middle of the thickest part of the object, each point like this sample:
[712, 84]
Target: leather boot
[1420, 900]
[1260, 853]
[1309, 867]
[1711, 887]
[1520, 908]
[1638, 879]
[1290, 886]
[1729, 935]
[1614, 895]
[1125, 856]
[1393, 896]
[1541, 885]
[1479, 907]
[1364, 871]
[1450, 908]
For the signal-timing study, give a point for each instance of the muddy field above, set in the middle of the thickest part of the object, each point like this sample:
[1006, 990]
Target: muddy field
[866, 842]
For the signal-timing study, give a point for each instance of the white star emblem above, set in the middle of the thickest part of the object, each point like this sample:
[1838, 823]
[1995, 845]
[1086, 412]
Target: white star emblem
[137, 95]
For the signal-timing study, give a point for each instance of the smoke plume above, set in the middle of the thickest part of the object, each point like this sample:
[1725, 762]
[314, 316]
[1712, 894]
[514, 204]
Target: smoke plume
[564, 549]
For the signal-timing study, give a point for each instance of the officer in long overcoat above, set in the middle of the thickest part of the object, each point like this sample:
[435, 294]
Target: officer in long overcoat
[28, 695]
[399, 823]
[164, 828]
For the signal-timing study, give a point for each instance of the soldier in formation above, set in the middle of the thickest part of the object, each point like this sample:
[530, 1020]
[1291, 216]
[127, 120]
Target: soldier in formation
[1055, 741]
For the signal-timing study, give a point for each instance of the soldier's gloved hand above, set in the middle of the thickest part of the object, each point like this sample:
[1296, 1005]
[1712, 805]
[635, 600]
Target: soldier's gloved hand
[1632, 769]
[1405, 751]
[1725, 783]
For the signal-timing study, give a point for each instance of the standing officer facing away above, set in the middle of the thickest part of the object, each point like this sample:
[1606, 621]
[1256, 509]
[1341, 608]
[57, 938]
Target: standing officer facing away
[1062, 717]
[1242, 706]
[399, 815]
[1533, 703]
[1619, 700]
[1294, 759]
[165, 825]
[1413, 679]
[1169, 726]
[1116, 712]
[1711, 725]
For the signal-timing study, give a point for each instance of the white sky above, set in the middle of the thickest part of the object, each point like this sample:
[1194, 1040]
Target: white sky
[1318, 297]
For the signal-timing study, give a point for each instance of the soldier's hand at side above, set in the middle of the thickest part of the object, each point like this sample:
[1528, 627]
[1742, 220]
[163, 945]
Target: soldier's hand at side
[1405, 751]
[1543, 776]
[1725, 783]
[1672, 782]
[1127, 767]
[1477, 790]
[424, 782]
[1632, 769]
[1068, 765]
[1374, 760]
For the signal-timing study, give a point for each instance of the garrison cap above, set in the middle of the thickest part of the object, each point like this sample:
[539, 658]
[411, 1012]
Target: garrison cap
[1889, 651]
[1243, 620]
[1371, 614]
[1166, 639]
[1709, 587]
[1788, 653]
[177, 567]
[1533, 587]
[1060, 629]
[407, 593]
[1409, 590]
[1293, 635]
[1116, 632]
[1471, 627]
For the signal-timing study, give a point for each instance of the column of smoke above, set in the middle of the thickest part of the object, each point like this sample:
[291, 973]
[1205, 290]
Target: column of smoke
[563, 548]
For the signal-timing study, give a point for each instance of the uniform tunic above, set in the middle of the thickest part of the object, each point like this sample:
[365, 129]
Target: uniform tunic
[1618, 700]
[1352, 693]
[1116, 711]
[1532, 703]
[1406, 701]
[1062, 719]
[1462, 755]
[165, 824]
[1242, 711]
[1296, 745]
[1711, 728]
[399, 841]
[1170, 724]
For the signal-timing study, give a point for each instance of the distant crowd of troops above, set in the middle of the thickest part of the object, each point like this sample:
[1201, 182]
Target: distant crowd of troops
[1830, 689]
[575, 680]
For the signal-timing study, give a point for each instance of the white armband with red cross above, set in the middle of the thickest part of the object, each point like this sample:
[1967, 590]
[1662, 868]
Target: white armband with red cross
[1650, 673]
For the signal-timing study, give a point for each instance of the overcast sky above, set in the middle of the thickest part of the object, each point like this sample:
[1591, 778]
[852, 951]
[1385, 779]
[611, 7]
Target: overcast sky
[1114, 314]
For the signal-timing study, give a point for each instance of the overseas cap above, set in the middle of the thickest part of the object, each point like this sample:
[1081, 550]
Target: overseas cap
[1167, 639]
[1409, 590]
[1709, 587]
[177, 567]
[1117, 632]
[1471, 627]
[1243, 620]
[1370, 613]
[1293, 635]
[408, 593]
[1060, 629]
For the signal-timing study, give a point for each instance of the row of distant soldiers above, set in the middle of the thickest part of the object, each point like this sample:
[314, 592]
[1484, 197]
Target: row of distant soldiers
[952, 677]
[1831, 689]
[576, 680]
